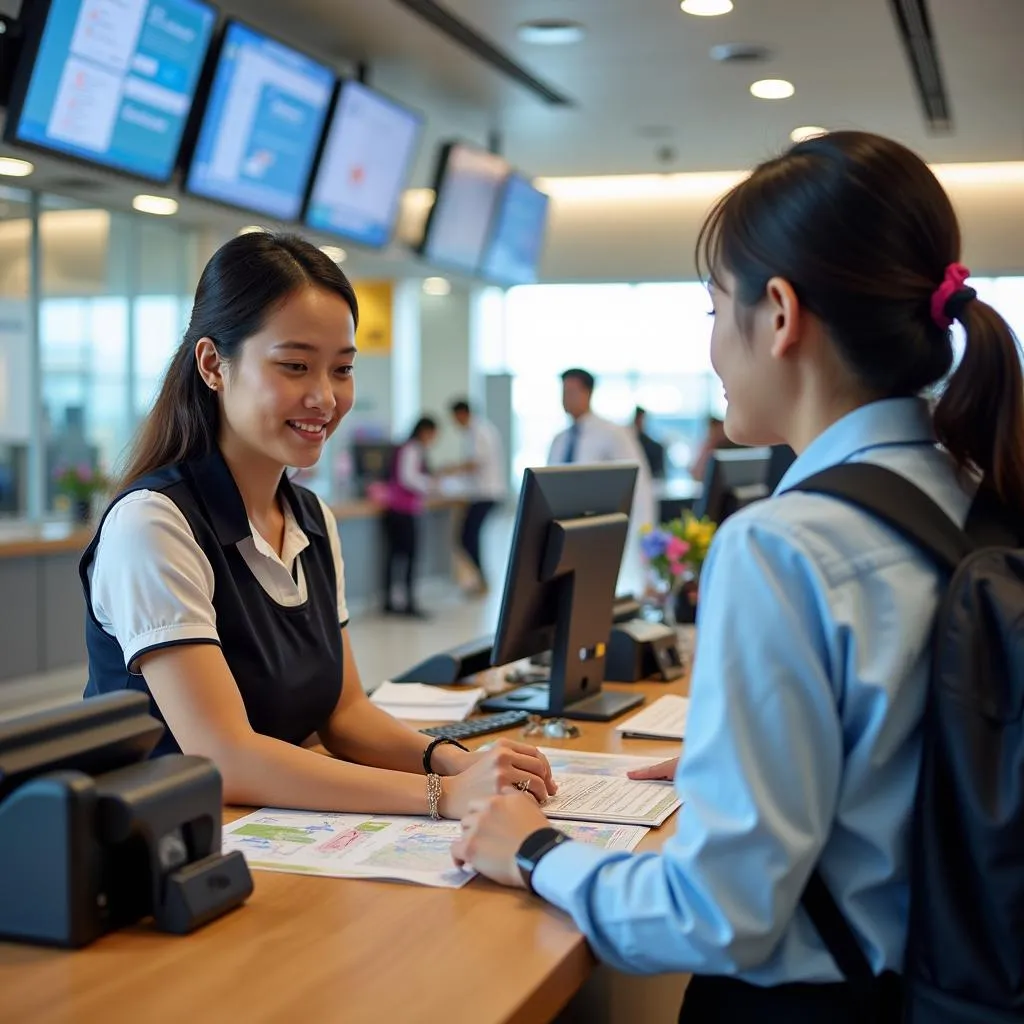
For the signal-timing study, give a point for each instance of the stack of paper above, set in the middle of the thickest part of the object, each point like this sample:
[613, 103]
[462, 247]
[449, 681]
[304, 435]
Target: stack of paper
[665, 719]
[418, 703]
[595, 787]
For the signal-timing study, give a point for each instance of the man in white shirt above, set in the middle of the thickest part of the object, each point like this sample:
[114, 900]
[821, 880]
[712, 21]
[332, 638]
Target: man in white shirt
[483, 461]
[590, 439]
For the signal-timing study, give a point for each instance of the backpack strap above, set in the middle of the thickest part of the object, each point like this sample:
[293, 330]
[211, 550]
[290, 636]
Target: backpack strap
[898, 503]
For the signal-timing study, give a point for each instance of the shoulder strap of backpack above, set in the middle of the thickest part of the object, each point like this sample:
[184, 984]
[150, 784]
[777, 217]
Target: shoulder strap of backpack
[893, 499]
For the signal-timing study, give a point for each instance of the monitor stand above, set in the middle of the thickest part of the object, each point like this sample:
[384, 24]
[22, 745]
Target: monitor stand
[602, 706]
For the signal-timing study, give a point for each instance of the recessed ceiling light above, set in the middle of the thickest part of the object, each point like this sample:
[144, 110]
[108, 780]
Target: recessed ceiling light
[807, 131]
[334, 252]
[162, 206]
[437, 286]
[772, 89]
[250, 229]
[15, 168]
[706, 8]
[551, 32]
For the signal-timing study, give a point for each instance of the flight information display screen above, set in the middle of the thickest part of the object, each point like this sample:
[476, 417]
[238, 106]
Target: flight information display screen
[262, 125]
[112, 81]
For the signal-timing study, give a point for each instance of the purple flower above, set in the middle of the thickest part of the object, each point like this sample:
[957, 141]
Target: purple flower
[653, 544]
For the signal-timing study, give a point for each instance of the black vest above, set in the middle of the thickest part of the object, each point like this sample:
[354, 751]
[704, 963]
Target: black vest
[287, 662]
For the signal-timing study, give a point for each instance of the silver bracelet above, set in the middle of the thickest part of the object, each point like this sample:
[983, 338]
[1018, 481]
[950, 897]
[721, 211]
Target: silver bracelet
[434, 793]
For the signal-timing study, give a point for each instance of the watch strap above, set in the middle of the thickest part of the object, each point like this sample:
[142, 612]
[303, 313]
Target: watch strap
[536, 846]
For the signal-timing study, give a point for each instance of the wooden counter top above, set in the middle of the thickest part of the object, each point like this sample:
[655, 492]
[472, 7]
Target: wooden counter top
[333, 950]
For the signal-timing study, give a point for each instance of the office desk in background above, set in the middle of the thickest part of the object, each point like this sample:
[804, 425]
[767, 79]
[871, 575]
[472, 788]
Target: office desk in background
[353, 951]
[43, 625]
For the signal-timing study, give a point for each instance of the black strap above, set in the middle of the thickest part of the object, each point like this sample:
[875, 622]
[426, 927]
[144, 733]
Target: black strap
[836, 932]
[893, 499]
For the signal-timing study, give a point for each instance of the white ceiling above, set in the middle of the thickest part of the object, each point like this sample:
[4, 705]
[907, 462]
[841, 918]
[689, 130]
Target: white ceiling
[645, 65]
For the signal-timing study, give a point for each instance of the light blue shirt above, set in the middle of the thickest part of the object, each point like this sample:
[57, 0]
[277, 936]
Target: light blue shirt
[803, 741]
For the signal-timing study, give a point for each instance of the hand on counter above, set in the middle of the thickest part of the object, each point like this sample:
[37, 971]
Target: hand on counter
[474, 776]
[663, 770]
[492, 832]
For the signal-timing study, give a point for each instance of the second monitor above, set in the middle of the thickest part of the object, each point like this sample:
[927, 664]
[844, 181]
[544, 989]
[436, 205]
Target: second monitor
[570, 531]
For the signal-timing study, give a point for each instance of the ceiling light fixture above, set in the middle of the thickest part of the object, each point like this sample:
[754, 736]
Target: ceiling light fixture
[807, 131]
[161, 206]
[250, 229]
[550, 32]
[706, 8]
[772, 89]
[14, 168]
[437, 286]
[334, 252]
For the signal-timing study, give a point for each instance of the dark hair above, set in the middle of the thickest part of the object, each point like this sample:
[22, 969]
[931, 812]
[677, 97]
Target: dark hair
[246, 280]
[582, 376]
[461, 405]
[863, 232]
[423, 425]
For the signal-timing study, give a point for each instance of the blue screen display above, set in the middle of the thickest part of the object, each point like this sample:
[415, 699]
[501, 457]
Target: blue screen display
[261, 126]
[515, 246]
[370, 144]
[113, 81]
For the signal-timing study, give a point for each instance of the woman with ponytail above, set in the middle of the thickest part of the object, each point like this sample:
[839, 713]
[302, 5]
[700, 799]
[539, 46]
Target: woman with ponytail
[216, 586]
[835, 276]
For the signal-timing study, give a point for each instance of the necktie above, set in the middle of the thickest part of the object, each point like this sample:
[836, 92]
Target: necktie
[570, 448]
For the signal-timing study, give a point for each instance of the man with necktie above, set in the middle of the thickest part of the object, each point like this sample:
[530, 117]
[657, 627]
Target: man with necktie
[592, 439]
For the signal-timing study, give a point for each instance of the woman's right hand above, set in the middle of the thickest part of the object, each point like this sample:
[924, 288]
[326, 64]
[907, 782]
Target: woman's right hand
[663, 770]
[506, 764]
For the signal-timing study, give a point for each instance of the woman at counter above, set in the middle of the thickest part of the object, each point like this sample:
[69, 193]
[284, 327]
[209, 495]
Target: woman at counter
[216, 586]
[835, 281]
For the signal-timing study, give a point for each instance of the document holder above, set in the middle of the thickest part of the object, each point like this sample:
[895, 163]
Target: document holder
[94, 838]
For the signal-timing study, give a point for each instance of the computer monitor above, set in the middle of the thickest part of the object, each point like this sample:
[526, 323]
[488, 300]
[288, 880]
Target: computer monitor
[570, 531]
[109, 84]
[517, 236]
[467, 184]
[367, 154]
[261, 126]
[372, 462]
[737, 477]
[92, 736]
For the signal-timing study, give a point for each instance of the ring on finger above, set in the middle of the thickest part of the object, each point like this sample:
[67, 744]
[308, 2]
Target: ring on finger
[523, 785]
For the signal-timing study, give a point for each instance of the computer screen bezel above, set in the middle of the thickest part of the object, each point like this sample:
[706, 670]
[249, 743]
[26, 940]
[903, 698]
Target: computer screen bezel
[187, 153]
[492, 232]
[416, 114]
[32, 25]
[441, 182]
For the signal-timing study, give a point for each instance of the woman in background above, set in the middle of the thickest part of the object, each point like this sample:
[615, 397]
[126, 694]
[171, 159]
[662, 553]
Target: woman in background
[411, 481]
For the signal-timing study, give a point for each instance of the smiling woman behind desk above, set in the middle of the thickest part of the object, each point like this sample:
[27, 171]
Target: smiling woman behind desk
[834, 281]
[216, 585]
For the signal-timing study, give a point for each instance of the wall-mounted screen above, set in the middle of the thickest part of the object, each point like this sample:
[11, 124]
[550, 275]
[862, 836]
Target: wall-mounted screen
[514, 249]
[370, 146]
[261, 126]
[110, 81]
[469, 182]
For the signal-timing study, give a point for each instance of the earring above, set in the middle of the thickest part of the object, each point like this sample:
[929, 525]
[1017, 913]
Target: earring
[214, 386]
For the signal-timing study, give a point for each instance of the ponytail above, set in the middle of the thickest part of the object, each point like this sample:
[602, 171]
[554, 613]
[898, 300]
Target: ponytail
[980, 417]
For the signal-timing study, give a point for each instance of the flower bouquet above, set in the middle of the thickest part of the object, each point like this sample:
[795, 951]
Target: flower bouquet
[675, 553]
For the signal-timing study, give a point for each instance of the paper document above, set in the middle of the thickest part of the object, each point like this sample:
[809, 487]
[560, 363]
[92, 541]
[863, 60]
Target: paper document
[579, 762]
[619, 801]
[665, 719]
[388, 847]
[419, 703]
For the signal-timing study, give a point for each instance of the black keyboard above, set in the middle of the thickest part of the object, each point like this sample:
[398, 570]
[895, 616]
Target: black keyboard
[479, 726]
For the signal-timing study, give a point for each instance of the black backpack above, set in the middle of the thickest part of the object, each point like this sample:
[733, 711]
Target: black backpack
[964, 960]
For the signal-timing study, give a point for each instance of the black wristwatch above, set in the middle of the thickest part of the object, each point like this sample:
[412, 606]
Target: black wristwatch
[535, 846]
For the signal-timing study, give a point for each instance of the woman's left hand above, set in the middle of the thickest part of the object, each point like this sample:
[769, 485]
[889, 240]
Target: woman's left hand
[492, 832]
[448, 759]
